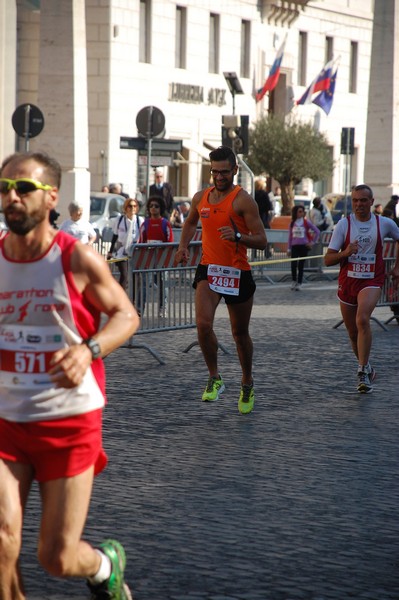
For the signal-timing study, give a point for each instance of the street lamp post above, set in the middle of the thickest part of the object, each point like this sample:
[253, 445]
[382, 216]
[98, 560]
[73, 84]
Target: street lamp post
[234, 85]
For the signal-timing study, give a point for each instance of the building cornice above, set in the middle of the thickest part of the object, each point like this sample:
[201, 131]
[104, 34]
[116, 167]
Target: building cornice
[281, 12]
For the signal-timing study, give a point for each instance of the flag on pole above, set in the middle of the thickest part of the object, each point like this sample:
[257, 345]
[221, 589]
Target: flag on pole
[306, 98]
[274, 73]
[325, 98]
[319, 84]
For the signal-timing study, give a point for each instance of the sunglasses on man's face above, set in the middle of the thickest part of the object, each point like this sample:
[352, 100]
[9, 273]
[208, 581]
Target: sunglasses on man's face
[154, 206]
[22, 186]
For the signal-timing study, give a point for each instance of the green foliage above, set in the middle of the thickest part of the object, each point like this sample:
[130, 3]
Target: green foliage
[288, 151]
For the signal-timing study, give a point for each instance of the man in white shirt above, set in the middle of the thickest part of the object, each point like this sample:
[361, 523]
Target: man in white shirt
[356, 245]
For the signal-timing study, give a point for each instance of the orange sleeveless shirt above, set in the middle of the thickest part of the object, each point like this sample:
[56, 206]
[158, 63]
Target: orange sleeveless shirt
[214, 250]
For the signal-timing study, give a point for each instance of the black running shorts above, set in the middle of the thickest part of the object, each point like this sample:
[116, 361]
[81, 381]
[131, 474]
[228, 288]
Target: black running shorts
[247, 285]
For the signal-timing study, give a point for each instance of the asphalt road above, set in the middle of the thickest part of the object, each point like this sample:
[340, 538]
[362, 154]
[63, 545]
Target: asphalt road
[298, 500]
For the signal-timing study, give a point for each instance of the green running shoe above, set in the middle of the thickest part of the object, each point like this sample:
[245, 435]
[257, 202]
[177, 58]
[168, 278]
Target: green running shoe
[246, 399]
[214, 387]
[113, 588]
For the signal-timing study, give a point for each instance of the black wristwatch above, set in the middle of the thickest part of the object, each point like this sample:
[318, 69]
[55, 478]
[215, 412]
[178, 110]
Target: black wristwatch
[237, 236]
[93, 346]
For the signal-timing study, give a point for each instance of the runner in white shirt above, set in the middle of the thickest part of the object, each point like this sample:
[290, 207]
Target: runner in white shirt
[54, 294]
[356, 244]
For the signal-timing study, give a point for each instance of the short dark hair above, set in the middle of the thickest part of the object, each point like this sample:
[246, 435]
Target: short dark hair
[52, 167]
[363, 186]
[223, 153]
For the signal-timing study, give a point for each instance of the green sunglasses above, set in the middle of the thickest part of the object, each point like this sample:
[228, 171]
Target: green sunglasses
[22, 186]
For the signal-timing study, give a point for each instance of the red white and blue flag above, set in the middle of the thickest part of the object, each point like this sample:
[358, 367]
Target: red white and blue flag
[325, 98]
[274, 74]
[319, 84]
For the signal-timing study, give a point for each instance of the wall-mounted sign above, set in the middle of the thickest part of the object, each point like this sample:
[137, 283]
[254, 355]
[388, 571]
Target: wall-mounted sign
[196, 94]
[156, 160]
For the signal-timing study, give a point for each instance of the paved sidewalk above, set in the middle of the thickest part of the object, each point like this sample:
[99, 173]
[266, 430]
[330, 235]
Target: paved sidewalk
[298, 500]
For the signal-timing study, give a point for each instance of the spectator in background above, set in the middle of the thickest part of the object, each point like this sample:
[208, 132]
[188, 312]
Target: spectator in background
[164, 190]
[105, 188]
[132, 238]
[121, 227]
[320, 215]
[378, 209]
[301, 237]
[136, 222]
[79, 228]
[263, 201]
[387, 213]
[392, 205]
[156, 229]
[53, 218]
[116, 188]
[179, 214]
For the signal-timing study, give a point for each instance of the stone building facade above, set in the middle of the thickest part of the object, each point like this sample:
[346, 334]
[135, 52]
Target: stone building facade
[92, 65]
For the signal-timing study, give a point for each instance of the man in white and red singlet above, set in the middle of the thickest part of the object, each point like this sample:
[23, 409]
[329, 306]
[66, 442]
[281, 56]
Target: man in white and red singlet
[53, 290]
[230, 224]
[357, 244]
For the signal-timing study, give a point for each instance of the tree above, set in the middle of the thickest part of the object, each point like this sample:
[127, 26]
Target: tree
[288, 151]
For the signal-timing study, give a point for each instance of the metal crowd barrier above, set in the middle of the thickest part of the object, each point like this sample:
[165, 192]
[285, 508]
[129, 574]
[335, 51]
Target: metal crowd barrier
[390, 293]
[163, 294]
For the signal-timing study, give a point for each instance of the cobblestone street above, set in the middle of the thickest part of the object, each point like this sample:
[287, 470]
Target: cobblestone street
[298, 500]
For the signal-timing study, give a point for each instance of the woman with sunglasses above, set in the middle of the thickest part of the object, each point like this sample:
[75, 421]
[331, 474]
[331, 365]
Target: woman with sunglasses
[123, 237]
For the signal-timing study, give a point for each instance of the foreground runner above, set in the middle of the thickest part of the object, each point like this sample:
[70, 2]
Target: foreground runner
[356, 244]
[230, 224]
[52, 292]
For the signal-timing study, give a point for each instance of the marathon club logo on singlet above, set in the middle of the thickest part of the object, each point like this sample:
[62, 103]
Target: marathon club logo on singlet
[26, 350]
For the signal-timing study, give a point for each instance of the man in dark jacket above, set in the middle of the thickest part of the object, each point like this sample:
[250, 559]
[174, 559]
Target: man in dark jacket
[164, 190]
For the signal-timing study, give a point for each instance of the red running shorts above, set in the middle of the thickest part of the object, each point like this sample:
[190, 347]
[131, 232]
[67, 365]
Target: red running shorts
[55, 449]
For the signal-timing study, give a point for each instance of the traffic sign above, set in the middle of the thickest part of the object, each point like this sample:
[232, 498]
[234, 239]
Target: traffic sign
[130, 143]
[348, 140]
[150, 121]
[157, 145]
[27, 120]
[156, 161]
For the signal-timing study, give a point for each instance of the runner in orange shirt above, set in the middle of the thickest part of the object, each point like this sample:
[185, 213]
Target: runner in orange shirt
[230, 224]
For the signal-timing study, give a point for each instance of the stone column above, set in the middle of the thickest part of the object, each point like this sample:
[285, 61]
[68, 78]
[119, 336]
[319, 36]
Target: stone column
[62, 96]
[381, 169]
[8, 59]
